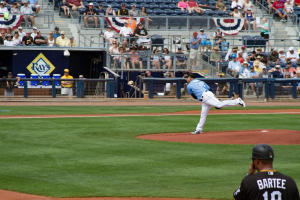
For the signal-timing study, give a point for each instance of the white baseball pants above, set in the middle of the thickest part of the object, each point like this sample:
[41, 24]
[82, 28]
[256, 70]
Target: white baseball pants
[209, 100]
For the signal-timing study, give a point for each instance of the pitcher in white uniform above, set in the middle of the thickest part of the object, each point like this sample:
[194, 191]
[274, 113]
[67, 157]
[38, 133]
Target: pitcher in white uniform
[201, 91]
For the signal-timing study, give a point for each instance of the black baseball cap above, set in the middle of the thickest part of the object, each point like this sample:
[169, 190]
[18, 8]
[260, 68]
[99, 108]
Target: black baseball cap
[262, 152]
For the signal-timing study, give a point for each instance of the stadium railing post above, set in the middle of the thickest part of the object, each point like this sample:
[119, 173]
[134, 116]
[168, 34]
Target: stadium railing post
[110, 88]
[231, 85]
[178, 89]
[294, 89]
[272, 89]
[240, 85]
[25, 89]
[267, 89]
[53, 89]
[151, 89]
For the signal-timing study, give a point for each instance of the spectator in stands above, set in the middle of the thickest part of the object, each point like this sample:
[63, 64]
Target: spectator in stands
[109, 35]
[244, 72]
[167, 59]
[134, 12]
[101, 13]
[134, 59]
[218, 36]
[90, 13]
[34, 5]
[27, 13]
[182, 4]
[234, 66]
[244, 52]
[27, 39]
[39, 39]
[247, 5]
[2, 38]
[34, 32]
[240, 57]
[298, 76]
[56, 33]
[258, 64]
[230, 52]
[132, 23]
[253, 74]
[9, 42]
[72, 42]
[180, 59]
[222, 88]
[278, 7]
[76, 4]
[156, 59]
[220, 5]
[253, 56]
[276, 72]
[264, 73]
[110, 11]
[236, 13]
[288, 7]
[249, 61]
[123, 11]
[264, 32]
[236, 4]
[114, 49]
[292, 56]
[215, 57]
[289, 69]
[203, 38]
[65, 7]
[21, 33]
[142, 34]
[51, 40]
[17, 39]
[192, 5]
[273, 58]
[297, 3]
[67, 86]
[3, 9]
[125, 33]
[15, 9]
[62, 40]
[195, 42]
[281, 56]
[249, 19]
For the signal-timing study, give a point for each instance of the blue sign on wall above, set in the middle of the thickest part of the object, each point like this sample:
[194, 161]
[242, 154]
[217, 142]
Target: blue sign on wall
[39, 62]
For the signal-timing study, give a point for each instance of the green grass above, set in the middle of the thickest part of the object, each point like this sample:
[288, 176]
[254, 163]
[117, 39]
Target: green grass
[72, 157]
[56, 110]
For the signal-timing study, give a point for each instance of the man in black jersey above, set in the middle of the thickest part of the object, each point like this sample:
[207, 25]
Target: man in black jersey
[263, 182]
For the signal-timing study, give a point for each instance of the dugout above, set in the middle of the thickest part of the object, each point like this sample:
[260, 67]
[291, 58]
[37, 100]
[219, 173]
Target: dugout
[89, 63]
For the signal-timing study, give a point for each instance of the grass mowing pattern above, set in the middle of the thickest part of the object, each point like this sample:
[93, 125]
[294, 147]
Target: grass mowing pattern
[101, 157]
[59, 110]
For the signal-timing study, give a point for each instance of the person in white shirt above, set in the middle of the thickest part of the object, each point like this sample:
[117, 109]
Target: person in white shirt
[244, 72]
[17, 39]
[234, 66]
[34, 32]
[237, 4]
[281, 56]
[3, 9]
[109, 35]
[247, 5]
[8, 42]
[27, 12]
[21, 33]
[125, 33]
[288, 7]
[292, 56]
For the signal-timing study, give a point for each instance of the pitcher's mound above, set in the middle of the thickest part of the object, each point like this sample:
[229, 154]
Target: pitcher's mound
[268, 136]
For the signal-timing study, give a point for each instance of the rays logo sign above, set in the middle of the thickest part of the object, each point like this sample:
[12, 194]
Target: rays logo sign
[40, 65]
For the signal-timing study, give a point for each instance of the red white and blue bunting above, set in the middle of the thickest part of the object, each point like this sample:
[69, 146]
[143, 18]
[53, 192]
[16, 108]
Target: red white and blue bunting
[229, 26]
[12, 21]
[118, 22]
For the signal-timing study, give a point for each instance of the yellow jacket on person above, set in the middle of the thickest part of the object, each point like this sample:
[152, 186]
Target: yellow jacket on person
[65, 84]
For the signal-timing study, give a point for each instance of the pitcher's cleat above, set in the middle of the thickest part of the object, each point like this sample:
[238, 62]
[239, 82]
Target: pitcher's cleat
[196, 132]
[241, 102]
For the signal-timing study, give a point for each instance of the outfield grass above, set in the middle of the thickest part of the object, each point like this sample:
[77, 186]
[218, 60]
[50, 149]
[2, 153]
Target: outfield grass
[100, 156]
[57, 110]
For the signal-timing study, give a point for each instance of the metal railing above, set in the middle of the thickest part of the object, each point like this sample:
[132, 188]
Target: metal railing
[48, 87]
[265, 88]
